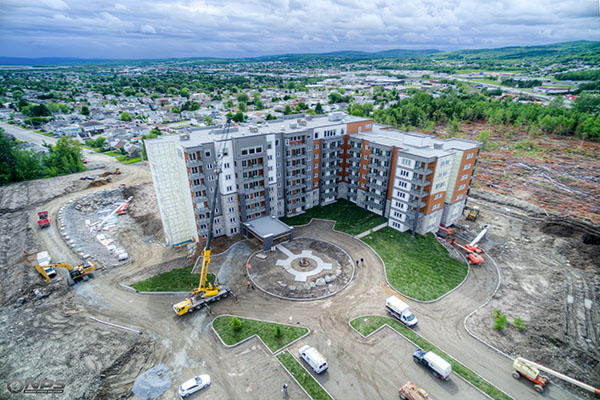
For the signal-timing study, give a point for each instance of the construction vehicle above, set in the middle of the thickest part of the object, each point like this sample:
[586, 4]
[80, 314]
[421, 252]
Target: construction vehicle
[206, 292]
[473, 214]
[123, 209]
[410, 391]
[531, 371]
[472, 249]
[43, 219]
[82, 271]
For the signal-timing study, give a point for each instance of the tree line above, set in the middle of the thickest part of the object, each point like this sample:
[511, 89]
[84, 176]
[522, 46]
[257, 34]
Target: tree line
[18, 164]
[422, 110]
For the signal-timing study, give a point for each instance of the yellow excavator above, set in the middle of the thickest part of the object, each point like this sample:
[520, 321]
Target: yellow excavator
[206, 292]
[75, 273]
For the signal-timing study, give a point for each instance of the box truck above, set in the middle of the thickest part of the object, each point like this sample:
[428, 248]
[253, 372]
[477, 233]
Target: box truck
[400, 310]
[438, 366]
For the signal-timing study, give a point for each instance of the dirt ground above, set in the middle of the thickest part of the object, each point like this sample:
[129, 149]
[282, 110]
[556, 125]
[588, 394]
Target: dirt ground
[551, 280]
[559, 174]
[545, 262]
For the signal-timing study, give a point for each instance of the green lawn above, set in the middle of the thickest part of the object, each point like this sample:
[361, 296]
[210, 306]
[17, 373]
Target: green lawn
[113, 153]
[418, 267]
[47, 134]
[349, 217]
[176, 280]
[368, 324]
[132, 160]
[302, 376]
[266, 331]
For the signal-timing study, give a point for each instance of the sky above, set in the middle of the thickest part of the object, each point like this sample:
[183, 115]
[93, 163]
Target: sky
[124, 29]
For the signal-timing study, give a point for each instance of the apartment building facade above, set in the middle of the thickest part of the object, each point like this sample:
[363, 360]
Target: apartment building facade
[288, 166]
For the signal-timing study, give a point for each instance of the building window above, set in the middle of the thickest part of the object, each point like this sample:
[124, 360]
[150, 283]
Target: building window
[229, 188]
[469, 156]
[196, 182]
[192, 156]
[232, 220]
[194, 170]
[406, 161]
[317, 146]
[435, 207]
[465, 176]
[227, 177]
[207, 153]
[459, 197]
[467, 166]
[226, 165]
[438, 196]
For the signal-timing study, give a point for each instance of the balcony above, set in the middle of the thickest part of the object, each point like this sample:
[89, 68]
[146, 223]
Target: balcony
[254, 167]
[296, 145]
[423, 171]
[374, 205]
[294, 157]
[298, 195]
[381, 188]
[420, 182]
[297, 186]
[418, 193]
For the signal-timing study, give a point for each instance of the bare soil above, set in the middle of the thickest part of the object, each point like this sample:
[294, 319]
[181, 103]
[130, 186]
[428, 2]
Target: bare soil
[550, 270]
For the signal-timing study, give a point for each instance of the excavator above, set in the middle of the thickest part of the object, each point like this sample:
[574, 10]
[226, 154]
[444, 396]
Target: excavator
[75, 273]
[206, 292]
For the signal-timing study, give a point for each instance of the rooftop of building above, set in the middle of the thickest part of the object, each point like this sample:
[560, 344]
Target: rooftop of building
[267, 226]
[415, 143]
[199, 136]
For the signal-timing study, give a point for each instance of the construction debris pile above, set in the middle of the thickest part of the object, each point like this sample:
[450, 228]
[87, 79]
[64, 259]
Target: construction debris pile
[152, 383]
[90, 225]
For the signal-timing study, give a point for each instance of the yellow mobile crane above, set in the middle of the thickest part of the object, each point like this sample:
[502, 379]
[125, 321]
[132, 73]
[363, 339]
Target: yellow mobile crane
[206, 292]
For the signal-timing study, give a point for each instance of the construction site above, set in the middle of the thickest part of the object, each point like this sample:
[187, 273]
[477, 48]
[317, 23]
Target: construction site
[100, 339]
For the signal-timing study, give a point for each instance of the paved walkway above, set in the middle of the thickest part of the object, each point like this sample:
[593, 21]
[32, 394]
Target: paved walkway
[301, 276]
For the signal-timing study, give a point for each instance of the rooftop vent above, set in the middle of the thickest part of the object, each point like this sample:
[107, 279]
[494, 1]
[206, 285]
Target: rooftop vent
[184, 136]
[293, 125]
[282, 128]
[253, 128]
[301, 122]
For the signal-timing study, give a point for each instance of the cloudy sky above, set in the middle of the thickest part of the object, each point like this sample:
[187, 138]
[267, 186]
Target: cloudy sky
[226, 28]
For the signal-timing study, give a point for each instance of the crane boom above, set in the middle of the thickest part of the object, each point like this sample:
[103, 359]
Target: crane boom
[478, 237]
[206, 292]
[563, 376]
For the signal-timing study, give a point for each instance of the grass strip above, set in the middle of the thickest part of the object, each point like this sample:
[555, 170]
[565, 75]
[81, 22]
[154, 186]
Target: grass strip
[369, 324]
[303, 377]
[176, 280]
[266, 330]
[349, 217]
[418, 267]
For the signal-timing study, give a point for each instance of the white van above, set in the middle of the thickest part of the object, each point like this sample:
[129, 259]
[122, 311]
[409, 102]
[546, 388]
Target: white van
[315, 359]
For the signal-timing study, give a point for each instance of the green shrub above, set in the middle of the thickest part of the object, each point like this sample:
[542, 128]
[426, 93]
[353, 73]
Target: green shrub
[519, 324]
[500, 322]
[236, 324]
[278, 332]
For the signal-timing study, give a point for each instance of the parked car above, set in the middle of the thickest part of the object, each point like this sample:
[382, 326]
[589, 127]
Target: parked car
[83, 160]
[193, 385]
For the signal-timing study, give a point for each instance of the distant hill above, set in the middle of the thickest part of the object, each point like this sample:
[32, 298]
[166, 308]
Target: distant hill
[569, 49]
[566, 49]
[48, 61]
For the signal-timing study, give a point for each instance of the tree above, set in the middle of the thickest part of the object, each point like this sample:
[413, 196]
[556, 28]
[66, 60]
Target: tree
[319, 108]
[185, 92]
[208, 120]
[242, 106]
[588, 103]
[125, 116]
[85, 111]
[287, 110]
[270, 117]
[484, 136]
[278, 332]
[236, 324]
[228, 104]
[97, 143]
[238, 117]
[242, 98]
[7, 159]
[259, 105]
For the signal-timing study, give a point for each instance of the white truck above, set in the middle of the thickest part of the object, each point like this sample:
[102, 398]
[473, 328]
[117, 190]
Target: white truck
[400, 310]
[438, 366]
[315, 359]
[43, 260]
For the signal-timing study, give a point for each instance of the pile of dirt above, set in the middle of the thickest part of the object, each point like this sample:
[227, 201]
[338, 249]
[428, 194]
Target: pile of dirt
[152, 383]
[550, 272]
[144, 210]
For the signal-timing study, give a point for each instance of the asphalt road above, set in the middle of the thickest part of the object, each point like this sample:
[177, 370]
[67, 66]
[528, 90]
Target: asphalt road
[27, 135]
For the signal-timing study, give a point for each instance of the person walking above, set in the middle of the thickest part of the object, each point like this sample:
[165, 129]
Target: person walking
[284, 388]
[362, 260]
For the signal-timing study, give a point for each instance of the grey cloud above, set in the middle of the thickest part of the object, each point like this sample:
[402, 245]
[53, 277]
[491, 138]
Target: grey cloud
[227, 28]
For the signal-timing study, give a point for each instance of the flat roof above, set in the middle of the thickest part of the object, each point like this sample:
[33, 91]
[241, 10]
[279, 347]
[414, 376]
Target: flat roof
[202, 136]
[267, 226]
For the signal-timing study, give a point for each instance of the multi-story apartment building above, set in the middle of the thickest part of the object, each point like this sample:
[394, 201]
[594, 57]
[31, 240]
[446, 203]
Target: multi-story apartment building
[288, 166]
